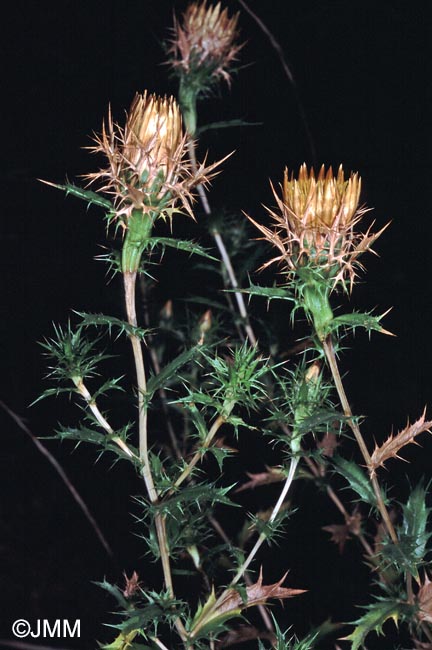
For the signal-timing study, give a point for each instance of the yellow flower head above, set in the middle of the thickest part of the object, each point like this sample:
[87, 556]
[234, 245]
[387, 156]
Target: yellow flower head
[204, 43]
[314, 223]
[148, 168]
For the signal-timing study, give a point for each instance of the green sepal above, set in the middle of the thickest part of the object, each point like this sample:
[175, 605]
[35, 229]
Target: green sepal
[139, 227]
[315, 299]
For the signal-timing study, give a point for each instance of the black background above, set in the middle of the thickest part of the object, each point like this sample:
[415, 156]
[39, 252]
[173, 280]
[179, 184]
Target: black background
[362, 73]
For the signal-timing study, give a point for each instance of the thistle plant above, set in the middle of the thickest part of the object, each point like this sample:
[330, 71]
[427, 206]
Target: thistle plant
[201, 384]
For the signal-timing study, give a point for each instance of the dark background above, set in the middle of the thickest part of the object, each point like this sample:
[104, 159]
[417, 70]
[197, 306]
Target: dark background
[362, 73]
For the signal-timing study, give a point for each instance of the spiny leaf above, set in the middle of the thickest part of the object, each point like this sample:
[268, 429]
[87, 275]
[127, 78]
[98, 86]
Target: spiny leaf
[367, 321]
[272, 475]
[393, 444]
[213, 613]
[85, 195]
[170, 370]
[414, 527]
[179, 244]
[378, 613]
[357, 479]
[199, 494]
[112, 322]
[114, 591]
[268, 292]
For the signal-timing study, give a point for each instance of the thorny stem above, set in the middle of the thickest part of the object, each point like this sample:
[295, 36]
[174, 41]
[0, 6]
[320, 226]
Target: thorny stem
[332, 361]
[129, 286]
[224, 254]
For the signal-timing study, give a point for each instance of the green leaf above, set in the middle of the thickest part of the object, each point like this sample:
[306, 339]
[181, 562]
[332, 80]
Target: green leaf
[378, 613]
[351, 321]
[179, 244]
[92, 198]
[111, 322]
[105, 441]
[114, 591]
[267, 292]
[198, 494]
[414, 527]
[357, 479]
[170, 370]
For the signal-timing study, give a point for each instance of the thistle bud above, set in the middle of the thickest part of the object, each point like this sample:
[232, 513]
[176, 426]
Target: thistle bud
[204, 44]
[314, 225]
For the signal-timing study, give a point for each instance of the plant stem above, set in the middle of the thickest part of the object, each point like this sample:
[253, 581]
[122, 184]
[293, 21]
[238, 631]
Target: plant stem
[130, 286]
[91, 403]
[223, 253]
[220, 420]
[334, 368]
[275, 511]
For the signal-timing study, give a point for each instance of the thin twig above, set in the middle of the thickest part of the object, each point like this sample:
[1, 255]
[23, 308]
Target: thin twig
[277, 47]
[60, 471]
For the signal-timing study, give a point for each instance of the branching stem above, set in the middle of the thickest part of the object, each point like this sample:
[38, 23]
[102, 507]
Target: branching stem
[91, 403]
[220, 420]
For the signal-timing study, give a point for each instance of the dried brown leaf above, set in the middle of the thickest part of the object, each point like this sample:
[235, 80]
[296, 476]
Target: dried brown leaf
[393, 444]
[340, 533]
[328, 444]
[132, 585]
[272, 475]
[424, 601]
[257, 594]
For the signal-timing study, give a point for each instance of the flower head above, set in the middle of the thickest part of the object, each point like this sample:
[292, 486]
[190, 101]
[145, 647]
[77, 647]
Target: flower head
[147, 166]
[204, 43]
[314, 224]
